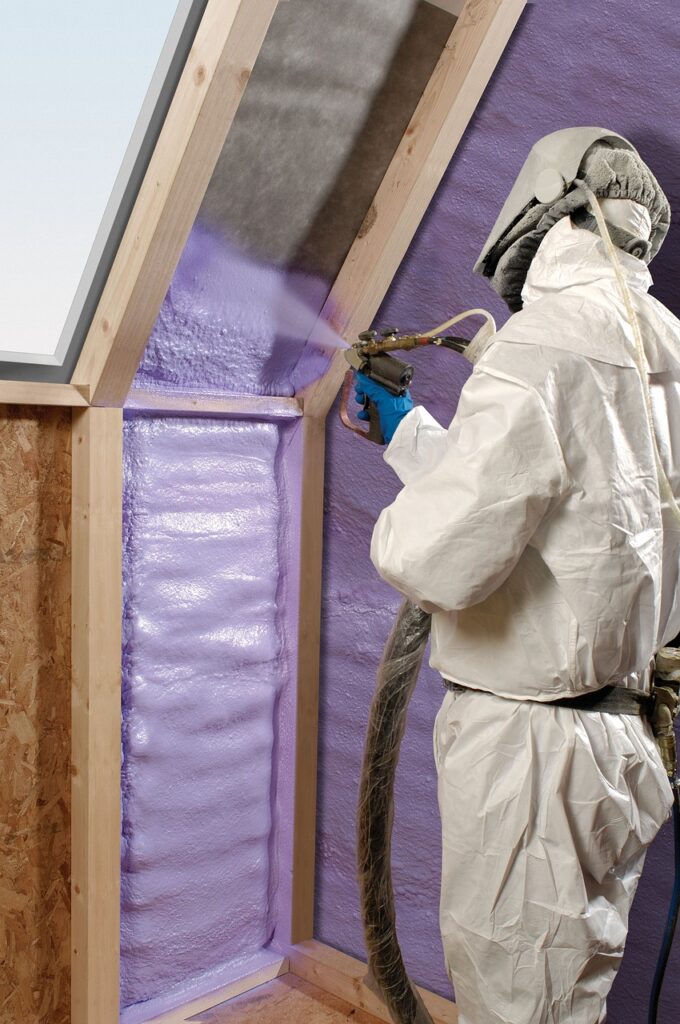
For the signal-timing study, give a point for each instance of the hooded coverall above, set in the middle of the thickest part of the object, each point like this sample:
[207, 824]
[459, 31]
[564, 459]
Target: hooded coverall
[534, 531]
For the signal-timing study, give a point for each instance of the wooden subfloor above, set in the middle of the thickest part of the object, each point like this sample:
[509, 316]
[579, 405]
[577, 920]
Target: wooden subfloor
[286, 1000]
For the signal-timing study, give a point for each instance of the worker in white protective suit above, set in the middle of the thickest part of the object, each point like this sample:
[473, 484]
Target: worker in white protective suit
[541, 531]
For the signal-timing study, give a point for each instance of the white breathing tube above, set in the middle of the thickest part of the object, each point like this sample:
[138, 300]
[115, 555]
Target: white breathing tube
[640, 356]
[478, 343]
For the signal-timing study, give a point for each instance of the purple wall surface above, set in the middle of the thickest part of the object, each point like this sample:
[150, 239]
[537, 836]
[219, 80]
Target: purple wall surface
[615, 64]
[233, 323]
[205, 666]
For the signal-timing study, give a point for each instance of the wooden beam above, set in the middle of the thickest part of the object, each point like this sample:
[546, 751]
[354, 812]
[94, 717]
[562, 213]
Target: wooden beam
[261, 407]
[203, 108]
[96, 714]
[475, 46]
[344, 976]
[237, 988]
[309, 642]
[22, 392]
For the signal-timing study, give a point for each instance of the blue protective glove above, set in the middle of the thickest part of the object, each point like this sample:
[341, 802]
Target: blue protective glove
[391, 408]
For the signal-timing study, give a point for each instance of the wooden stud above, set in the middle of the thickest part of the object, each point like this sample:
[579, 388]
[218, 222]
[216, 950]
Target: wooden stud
[96, 714]
[203, 108]
[345, 977]
[262, 407]
[475, 46]
[309, 642]
[22, 392]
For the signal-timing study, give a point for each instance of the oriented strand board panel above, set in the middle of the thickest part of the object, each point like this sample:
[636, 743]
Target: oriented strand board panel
[35, 711]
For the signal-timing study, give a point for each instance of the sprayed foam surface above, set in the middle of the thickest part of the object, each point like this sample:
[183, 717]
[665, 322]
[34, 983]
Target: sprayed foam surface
[202, 675]
[329, 98]
[620, 73]
[235, 324]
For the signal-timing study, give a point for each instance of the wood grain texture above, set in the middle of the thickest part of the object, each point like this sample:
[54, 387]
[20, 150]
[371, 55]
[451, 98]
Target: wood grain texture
[96, 714]
[288, 1000]
[309, 641]
[21, 392]
[475, 46]
[206, 99]
[35, 651]
[261, 407]
[345, 977]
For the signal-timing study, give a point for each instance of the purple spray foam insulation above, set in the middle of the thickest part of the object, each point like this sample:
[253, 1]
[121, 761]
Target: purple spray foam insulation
[231, 323]
[205, 667]
[565, 65]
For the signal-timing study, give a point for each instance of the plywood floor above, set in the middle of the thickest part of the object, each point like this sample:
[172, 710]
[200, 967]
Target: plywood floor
[286, 1000]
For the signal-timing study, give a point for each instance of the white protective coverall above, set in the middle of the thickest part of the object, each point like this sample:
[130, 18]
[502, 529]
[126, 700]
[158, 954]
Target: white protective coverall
[534, 531]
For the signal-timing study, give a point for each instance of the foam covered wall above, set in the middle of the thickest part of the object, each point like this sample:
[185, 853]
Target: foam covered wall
[204, 666]
[612, 63]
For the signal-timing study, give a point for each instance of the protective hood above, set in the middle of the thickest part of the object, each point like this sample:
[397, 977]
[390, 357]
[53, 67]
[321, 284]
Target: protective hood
[548, 189]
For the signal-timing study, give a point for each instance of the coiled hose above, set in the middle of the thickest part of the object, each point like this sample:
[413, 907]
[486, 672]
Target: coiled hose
[397, 677]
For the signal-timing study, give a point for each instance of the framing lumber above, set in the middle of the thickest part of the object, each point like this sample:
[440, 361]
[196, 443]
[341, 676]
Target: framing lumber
[309, 644]
[343, 976]
[202, 111]
[261, 407]
[237, 988]
[473, 50]
[20, 392]
[96, 714]
[430, 140]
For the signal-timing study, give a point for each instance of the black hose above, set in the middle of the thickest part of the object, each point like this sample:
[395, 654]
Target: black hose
[397, 677]
[673, 912]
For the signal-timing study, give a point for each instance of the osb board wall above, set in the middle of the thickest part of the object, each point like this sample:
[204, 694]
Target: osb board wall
[35, 626]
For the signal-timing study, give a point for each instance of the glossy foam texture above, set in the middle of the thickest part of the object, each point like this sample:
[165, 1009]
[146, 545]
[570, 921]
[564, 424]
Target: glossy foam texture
[613, 64]
[202, 674]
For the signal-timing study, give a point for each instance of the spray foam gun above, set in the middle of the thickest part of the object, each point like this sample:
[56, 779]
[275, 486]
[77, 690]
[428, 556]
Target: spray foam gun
[370, 356]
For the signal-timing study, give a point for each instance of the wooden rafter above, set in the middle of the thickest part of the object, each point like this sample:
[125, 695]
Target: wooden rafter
[206, 100]
[479, 37]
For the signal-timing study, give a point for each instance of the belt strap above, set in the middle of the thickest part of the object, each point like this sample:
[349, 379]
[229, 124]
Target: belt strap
[617, 700]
